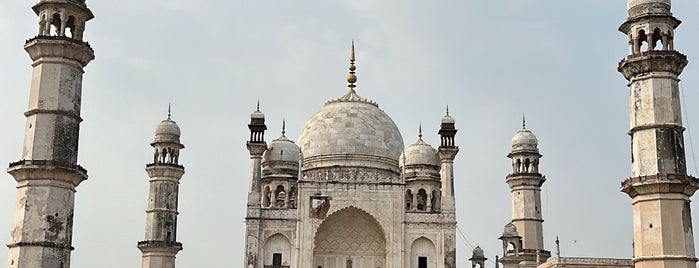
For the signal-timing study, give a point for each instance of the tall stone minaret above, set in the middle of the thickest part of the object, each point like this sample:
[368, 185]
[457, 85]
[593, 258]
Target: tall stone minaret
[48, 173]
[160, 245]
[659, 185]
[525, 185]
[447, 152]
[253, 231]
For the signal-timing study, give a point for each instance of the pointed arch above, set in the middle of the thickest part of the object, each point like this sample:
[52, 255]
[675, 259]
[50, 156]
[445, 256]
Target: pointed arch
[423, 251]
[349, 233]
[277, 250]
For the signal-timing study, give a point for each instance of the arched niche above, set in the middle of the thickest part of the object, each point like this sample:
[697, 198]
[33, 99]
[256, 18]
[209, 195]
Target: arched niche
[350, 235]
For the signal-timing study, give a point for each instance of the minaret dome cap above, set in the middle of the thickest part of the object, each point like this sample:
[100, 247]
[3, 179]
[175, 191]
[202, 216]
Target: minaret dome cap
[524, 139]
[447, 119]
[510, 230]
[478, 253]
[257, 115]
[168, 127]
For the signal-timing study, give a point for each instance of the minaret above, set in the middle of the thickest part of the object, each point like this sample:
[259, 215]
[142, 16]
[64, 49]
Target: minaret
[256, 146]
[659, 186]
[447, 152]
[160, 245]
[525, 185]
[48, 173]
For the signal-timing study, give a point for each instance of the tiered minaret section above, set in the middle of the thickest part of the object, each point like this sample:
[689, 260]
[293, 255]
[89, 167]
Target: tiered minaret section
[256, 146]
[160, 245]
[525, 183]
[659, 185]
[48, 173]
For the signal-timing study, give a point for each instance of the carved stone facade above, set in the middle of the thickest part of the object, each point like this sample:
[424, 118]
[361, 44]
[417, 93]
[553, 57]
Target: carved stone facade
[350, 194]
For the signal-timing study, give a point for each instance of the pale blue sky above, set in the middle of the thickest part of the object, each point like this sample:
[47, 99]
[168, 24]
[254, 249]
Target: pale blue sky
[490, 61]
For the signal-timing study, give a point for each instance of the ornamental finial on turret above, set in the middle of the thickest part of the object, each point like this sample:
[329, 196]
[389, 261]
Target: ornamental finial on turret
[524, 121]
[351, 78]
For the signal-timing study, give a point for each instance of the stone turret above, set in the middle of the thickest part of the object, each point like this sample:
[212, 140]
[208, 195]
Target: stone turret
[48, 171]
[160, 245]
[525, 183]
[659, 185]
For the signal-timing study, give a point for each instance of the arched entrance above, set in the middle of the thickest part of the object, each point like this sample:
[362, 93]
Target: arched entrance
[349, 238]
[422, 254]
[277, 251]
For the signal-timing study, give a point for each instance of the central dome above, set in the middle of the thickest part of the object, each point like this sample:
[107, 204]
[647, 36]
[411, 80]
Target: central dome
[351, 131]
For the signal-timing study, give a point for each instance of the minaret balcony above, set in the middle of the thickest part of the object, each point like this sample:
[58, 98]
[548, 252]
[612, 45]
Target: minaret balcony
[660, 183]
[525, 179]
[159, 246]
[653, 61]
[47, 169]
[60, 47]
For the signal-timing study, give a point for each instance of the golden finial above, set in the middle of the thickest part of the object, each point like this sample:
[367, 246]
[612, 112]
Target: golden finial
[351, 78]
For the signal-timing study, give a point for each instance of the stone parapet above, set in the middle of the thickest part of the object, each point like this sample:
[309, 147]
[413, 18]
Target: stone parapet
[24, 170]
[41, 47]
[149, 246]
[653, 61]
[587, 262]
[660, 183]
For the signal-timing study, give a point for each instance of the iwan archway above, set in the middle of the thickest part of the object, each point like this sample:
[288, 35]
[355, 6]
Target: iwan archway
[349, 238]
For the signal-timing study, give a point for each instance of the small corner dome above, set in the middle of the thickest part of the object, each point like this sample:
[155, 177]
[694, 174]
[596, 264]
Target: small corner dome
[167, 127]
[282, 149]
[420, 153]
[478, 252]
[524, 139]
[510, 230]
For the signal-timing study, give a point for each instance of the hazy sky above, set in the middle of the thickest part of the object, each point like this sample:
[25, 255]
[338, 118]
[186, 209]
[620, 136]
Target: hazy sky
[490, 61]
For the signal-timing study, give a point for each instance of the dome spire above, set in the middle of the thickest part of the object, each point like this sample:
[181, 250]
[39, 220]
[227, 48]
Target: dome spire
[284, 127]
[420, 131]
[524, 121]
[169, 106]
[351, 78]
[447, 109]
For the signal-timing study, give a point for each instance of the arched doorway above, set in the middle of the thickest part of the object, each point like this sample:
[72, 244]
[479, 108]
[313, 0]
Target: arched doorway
[277, 251]
[350, 238]
[422, 254]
